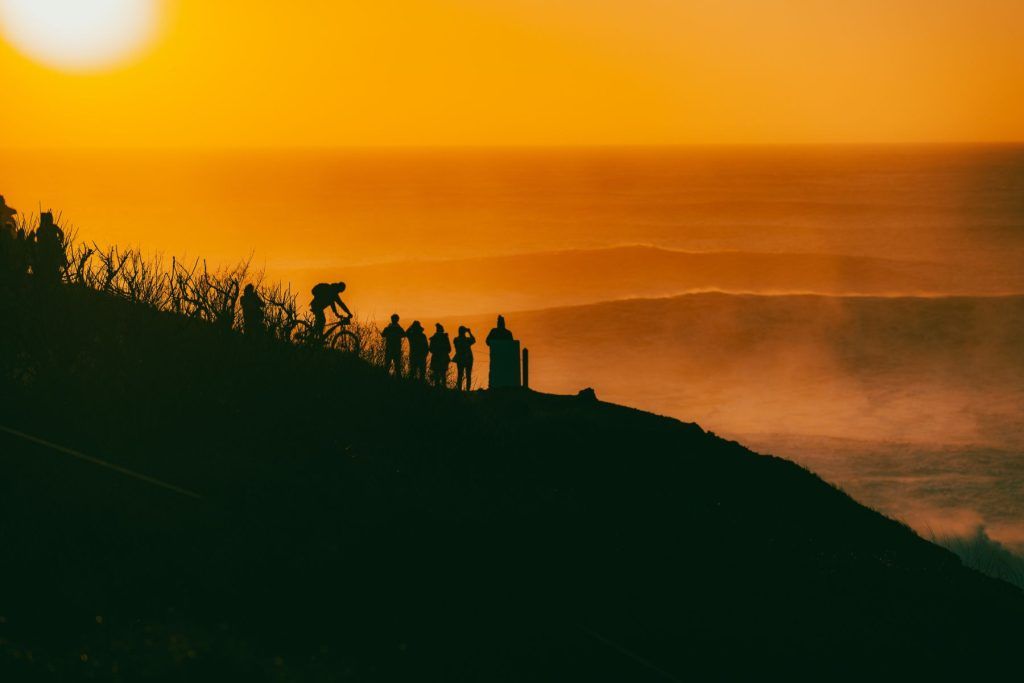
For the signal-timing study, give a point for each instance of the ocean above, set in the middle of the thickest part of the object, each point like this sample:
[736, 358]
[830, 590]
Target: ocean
[334, 209]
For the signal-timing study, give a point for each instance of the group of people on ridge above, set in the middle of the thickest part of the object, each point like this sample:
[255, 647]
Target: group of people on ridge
[43, 253]
[40, 251]
[325, 295]
[439, 347]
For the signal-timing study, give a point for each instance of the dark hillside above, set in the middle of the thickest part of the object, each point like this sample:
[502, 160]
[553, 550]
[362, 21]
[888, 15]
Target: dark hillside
[354, 527]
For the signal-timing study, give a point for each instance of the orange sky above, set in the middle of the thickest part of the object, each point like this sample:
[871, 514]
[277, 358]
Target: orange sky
[520, 72]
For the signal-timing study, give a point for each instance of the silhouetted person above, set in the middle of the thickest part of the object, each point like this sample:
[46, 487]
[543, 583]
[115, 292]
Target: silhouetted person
[464, 357]
[8, 243]
[48, 259]
[393, 335]
[7, 214]
[20, 254]
[418, 348]
[440, 356]
[327, 295]
[499, 332]
[504, 370]
[252, 311]
[7, 246]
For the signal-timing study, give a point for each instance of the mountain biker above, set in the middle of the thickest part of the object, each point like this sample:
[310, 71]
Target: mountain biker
[327, 294]
[393, 335]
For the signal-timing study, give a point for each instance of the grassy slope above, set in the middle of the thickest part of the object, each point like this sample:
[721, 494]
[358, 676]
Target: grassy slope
[356, 527]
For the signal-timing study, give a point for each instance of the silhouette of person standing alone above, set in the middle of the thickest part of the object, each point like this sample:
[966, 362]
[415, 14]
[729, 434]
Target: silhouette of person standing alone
[393, 335]
[499, 332]
[252, 311]
[418, 348]
[327, 295]
[19, 256]
[464, 357]
[7, 214]
[8, 243]
[440, 356]
[504, 368]
[48, 254]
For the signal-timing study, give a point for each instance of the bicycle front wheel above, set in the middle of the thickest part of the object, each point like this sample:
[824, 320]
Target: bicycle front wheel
[346, 341]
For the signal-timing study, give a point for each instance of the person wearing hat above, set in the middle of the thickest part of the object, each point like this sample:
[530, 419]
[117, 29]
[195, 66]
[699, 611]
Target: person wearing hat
[418, 348]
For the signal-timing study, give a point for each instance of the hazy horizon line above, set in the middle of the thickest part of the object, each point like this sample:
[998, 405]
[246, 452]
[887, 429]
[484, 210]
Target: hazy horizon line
[442, 147]
[714, 291]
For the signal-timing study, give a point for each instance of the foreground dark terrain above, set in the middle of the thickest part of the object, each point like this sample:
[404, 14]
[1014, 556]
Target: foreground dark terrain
[354, 527]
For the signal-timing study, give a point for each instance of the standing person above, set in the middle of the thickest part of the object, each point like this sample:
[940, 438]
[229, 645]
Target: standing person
[499, 332]
[327, 294]
[418, 348]
[464, 357]
[7, 214]
[393, 335]
[20, 255]
[440, 350]
[48, 258]
[8, 243]
[252, 311]
[504, 366]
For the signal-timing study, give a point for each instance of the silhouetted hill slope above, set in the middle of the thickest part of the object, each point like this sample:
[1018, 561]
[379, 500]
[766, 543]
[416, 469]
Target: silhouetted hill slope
[353, 527]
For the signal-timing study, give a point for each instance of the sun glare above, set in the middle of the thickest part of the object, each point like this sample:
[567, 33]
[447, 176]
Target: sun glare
[79, 35]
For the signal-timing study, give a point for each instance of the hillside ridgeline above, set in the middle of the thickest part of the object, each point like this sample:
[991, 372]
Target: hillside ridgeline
[350, 526]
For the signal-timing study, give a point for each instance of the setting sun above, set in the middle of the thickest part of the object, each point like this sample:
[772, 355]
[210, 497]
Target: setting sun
[79, 35]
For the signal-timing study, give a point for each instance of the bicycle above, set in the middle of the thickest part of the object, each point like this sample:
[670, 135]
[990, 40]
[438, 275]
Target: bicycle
[335, 336]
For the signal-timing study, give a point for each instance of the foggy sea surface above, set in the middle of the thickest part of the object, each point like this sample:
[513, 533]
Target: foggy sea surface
[856, 309]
